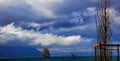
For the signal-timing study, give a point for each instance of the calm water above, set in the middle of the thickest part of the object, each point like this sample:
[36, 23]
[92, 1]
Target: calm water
[82, 58]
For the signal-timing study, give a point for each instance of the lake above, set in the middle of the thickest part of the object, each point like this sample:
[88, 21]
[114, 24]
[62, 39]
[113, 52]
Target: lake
[80, 58]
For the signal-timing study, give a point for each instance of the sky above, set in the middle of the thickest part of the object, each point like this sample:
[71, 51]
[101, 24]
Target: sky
[62, 26]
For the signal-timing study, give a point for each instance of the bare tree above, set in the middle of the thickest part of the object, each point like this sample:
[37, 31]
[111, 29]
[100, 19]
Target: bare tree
[103, 26]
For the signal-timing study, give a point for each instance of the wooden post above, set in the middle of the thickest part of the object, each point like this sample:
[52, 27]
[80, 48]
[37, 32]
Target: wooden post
[95, 58]
[118, 52]
[111, 54]
[100, 51]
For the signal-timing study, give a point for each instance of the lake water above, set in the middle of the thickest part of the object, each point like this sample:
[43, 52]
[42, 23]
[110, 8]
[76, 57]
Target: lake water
[81, 58]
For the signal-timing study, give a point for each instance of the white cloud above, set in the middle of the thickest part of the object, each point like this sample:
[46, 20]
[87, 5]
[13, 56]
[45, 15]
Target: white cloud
[81, 28]
[69, 49]
[77, 18]
[90, 11]
[115, 16]
[117, 20]
[5, 2]
[4, 37]
[35, 25]
[36, 38]
[13, 3]
[42, 8]
[39, 25]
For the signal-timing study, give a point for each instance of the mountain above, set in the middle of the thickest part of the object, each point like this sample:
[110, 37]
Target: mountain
[18, 51]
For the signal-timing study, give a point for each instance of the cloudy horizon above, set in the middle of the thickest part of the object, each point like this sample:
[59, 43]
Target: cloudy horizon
[60, 25]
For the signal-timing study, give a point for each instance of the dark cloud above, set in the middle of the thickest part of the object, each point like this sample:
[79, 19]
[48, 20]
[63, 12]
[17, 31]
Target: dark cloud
[25, 12]
[76, 5]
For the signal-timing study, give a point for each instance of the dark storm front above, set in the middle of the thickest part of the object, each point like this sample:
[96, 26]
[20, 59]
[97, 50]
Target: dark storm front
[82, 58]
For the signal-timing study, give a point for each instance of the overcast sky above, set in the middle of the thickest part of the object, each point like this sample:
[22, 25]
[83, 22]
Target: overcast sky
[63, 26]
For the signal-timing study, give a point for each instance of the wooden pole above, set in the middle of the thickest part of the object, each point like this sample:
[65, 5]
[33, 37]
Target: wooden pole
[100, 52]
[95, 57]
[117, 53]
